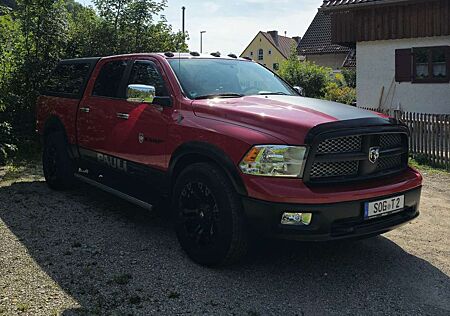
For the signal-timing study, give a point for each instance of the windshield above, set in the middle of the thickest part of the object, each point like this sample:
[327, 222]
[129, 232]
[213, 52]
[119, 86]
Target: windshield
[203, 78]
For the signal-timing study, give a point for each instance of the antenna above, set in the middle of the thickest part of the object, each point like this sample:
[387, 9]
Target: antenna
[183, 9]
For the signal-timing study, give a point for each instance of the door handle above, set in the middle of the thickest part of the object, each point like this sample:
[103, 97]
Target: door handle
[123, 116]
[85, 109]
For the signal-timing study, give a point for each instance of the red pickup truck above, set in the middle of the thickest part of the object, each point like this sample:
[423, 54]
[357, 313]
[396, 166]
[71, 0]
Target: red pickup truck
[231, 145]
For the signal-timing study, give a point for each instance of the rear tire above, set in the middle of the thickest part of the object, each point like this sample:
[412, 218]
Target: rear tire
[210, 225]
[56, 163]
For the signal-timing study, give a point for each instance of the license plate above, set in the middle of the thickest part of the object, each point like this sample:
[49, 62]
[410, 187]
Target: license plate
[384, 207]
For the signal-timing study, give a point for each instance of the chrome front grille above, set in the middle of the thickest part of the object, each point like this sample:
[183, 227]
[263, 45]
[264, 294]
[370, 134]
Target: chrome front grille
[347, 157]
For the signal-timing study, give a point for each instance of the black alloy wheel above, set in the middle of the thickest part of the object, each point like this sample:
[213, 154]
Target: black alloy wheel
[210, 223]
[199, 213]
[56, 163]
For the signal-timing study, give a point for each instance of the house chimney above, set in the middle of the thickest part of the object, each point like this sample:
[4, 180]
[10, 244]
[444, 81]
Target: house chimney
[297, 39]
[274, 35]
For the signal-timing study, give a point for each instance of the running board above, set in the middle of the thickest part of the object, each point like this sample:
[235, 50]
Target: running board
[114, 192]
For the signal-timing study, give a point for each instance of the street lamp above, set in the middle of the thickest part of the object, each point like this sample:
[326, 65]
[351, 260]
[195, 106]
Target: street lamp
[201, 41]
[182, 19]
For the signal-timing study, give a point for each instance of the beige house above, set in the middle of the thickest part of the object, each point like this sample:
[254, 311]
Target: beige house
[270, 49]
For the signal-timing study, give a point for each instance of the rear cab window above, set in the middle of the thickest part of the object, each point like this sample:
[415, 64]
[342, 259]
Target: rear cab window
[69, 79]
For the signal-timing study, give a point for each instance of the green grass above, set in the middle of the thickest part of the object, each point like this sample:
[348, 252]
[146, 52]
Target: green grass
[28, 150]
[422, 166]
[23, 163]
[16, 170]
[23, 307]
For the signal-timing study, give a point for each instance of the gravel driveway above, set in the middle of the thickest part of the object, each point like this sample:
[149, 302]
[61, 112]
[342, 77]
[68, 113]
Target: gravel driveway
[85, 252]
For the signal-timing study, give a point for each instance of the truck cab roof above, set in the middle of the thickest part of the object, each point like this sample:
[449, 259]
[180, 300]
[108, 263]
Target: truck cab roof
[166, 55]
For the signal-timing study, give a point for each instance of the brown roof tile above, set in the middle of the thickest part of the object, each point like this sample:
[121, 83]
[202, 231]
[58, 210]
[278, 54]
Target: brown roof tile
[341, 4]
[317, 39]
[284, 43]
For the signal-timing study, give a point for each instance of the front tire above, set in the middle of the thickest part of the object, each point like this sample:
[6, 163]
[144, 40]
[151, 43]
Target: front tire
[56, 163]
[210, 225]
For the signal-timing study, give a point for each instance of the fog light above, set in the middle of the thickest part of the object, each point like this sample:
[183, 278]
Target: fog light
[296, 218]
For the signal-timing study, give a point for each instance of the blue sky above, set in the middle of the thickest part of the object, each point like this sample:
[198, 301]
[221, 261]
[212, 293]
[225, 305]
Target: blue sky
[231, 24]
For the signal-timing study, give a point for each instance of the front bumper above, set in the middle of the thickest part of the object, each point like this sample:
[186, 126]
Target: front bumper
[330, 221]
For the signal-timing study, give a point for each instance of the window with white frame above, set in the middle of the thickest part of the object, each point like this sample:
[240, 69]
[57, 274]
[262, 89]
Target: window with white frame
[260, 54]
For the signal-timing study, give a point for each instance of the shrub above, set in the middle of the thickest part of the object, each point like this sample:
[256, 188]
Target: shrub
[311, 77]
[349, 77]
[6, 142]
[339, 93]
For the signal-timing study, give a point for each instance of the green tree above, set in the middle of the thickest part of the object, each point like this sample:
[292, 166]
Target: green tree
[350, 77]
[44, 27]
[84, 37]
[36, 34]
[138, 18]
[311, 77]
[11, 55]
[130, 25]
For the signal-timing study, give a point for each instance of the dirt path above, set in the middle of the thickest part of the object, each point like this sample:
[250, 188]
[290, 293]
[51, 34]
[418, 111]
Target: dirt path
[86, 252]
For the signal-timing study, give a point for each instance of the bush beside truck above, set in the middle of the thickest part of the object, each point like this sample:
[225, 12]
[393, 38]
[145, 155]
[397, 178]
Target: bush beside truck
[319, 82]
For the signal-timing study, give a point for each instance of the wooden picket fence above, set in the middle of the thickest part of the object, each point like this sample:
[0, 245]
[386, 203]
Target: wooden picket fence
[430, 136]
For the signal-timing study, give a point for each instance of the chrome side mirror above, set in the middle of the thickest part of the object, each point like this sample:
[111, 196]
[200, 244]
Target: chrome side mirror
[299, 90]
[140, 93]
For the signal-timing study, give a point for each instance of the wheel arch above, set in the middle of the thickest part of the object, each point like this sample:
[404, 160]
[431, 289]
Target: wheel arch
[54, 124]
[194, 152]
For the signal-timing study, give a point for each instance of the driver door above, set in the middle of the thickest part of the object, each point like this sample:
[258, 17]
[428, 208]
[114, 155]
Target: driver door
[140, 130]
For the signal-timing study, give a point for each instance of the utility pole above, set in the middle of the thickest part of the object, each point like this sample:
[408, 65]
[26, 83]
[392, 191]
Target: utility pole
[201, 41]
[182, 19]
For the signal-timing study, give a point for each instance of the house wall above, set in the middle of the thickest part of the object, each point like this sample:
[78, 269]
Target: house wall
[260, 41]
[376, 69]
[333, 61]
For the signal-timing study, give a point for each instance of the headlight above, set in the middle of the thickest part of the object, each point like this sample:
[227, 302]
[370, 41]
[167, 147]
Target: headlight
[274, 161]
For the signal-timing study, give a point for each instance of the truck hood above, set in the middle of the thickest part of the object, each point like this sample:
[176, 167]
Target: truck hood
[289, 118]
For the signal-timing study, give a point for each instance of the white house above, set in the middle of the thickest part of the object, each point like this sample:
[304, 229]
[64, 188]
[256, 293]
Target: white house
[402, 51]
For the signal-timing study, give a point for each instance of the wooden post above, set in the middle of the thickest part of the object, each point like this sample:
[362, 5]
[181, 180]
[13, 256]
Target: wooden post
[433, 138]
[445, 137]
[428, 136]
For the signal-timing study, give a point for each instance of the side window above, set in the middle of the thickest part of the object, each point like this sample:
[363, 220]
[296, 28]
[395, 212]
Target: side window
[145, 72]
[68, 79]
[109, 78]
[431, 64]
[423, 65]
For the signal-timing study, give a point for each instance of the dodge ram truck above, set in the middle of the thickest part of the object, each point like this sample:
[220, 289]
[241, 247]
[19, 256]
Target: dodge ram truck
[234, 149]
